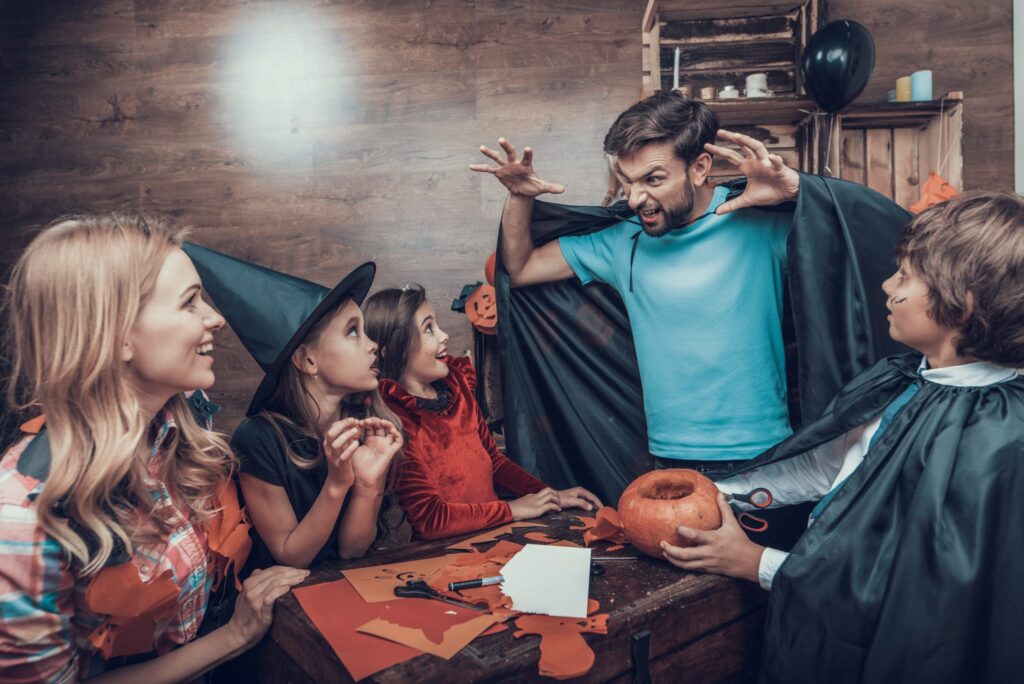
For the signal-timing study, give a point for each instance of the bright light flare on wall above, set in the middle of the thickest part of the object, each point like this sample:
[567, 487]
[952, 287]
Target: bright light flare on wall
[280, 83]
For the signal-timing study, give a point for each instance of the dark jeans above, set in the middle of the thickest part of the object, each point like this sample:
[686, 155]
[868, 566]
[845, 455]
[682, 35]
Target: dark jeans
[785, 524]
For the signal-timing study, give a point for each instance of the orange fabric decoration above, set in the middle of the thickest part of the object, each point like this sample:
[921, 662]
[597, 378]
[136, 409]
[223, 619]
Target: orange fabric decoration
[132, 608]
[227, 535]
[936, 190]
[482, 309]
[606, 526]
[563, 651]
[492, 263]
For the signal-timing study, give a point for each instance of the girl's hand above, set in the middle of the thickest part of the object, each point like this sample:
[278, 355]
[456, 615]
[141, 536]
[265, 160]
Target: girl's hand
[254, 608]
[370, 462]
[535, 505]
[340, 443]
[578, 497]
[725, 551]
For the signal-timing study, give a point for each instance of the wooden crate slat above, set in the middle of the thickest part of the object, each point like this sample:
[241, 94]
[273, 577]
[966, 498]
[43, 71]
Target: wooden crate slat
[688, 10]
[781, 27]
[851, 160]
[879, 160]
[906, 182]
[763, 54]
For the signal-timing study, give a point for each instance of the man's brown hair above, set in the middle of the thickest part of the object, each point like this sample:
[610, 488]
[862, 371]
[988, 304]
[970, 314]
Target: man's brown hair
[970, 253]
[663, 117]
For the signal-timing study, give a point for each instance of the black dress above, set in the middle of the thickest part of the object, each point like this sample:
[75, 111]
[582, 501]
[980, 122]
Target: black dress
[262, 456]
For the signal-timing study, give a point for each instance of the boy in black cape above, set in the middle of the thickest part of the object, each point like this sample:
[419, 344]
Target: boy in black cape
[911, 566]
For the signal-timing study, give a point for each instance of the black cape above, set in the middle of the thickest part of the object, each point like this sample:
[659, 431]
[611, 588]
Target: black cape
[573, 404]
[913, 572]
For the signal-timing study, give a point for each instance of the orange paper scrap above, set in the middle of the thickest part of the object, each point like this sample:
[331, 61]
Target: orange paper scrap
[564, 653]
[475, 566]
[540, 537]
[448, 643]
[606, 526]
[338, 613]
[132, 607]
[936, 190]
[377, 582]
[491, 535]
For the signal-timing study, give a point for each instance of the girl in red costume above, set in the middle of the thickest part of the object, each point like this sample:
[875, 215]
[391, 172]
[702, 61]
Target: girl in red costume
[452, 466]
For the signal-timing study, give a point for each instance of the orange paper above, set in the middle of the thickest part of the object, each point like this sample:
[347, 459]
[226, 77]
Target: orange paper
[425, 637]
[563, 651]
[377, 582]
[540, 537]
[606, 526]
[936, 190]
[475, 566]
[338, 612]
[132, 607]
[491, 535]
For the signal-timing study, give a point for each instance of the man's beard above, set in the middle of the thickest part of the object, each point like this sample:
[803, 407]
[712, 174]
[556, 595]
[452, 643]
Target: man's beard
[675, 215]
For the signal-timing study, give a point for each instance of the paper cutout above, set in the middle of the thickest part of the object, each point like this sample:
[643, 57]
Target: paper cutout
[550, 580]
[617, 547]
[337, 611]
[377, 582]
[540, 537]
[563, 651]
[227, 535]
[132, 607]
[491, 535]
[606, 526]
[450, 642]
[474, 566]
[935, 190]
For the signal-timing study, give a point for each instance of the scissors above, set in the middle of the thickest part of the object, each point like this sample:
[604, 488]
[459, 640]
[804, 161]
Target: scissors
[758, 498]
[420, 589]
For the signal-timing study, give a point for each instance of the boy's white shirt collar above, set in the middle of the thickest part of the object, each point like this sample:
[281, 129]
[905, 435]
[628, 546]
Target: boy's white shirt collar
[976, 374]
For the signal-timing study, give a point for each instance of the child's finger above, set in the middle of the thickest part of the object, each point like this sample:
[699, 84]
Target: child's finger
[340, 426]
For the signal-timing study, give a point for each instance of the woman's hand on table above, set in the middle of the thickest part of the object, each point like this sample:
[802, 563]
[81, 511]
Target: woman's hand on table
[578, 497]
[725, 551]
[254, 608]
[535, 505]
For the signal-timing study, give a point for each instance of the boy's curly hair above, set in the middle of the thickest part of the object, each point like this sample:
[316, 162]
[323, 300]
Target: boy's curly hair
[970, 253]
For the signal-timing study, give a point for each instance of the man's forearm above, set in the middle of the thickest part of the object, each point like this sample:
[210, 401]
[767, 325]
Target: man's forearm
[516, 243]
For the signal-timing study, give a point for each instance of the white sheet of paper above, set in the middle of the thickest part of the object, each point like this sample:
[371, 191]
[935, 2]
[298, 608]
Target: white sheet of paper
[548, 580]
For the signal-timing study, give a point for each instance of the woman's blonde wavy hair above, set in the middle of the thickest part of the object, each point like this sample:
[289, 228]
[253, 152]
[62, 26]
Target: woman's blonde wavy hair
[73, 299]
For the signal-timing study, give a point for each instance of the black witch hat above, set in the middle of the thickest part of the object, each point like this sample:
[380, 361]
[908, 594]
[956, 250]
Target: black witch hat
[271, 312]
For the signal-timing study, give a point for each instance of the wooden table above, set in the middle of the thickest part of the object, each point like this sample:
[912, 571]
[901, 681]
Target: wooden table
[702, 627]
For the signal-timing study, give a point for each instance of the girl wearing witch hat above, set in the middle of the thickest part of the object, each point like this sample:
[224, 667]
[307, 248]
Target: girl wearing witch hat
[117, 512]
[452, 465]
[318, 442]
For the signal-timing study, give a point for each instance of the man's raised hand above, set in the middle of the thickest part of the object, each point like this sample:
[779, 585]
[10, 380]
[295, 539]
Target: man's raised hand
[769, 180]
[516, 174]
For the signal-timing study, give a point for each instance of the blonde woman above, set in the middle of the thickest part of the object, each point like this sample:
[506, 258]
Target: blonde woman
[117, 513]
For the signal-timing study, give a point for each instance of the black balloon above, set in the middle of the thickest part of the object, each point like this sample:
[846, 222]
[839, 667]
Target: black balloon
[837, 64]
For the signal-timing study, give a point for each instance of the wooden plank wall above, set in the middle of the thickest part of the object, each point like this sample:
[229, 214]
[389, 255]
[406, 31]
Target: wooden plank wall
[362, 152]
[968, 47]
[307, 136]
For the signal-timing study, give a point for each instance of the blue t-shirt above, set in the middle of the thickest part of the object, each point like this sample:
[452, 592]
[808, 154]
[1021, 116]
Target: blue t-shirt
[706, 316]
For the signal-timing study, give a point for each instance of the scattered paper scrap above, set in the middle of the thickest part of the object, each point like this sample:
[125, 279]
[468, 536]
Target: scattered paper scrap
[453, 640]
[491, 535]
[550, 580]
[563, 651]
[605, 526]
[377, 582]
[540, 537]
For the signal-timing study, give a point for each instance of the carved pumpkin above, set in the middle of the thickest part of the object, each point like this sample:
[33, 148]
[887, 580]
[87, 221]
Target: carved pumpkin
[657, 502]
[482, 309]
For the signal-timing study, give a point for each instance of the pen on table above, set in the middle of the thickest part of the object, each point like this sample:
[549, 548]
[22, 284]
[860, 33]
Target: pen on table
[474, 583]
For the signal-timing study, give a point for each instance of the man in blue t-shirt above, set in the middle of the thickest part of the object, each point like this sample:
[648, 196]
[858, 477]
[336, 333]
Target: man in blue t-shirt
[700, 276]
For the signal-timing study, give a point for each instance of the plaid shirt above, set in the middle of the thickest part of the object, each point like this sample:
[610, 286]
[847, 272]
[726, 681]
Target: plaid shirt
[44, 623]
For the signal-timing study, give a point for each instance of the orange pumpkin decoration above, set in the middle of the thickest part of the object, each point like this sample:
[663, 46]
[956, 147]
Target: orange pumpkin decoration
[482, 309]
[489, 267]
[656, 503]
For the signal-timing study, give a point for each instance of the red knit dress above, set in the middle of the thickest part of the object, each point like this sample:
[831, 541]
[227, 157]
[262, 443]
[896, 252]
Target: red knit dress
[451, 465]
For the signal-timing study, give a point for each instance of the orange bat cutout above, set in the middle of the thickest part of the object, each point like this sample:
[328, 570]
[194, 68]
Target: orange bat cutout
[430, 638]
[563, 651]
[132, 607]
[491, 535]
[606, 526]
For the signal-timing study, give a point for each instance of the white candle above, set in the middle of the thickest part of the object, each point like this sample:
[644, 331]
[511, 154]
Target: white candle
[675, 71]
